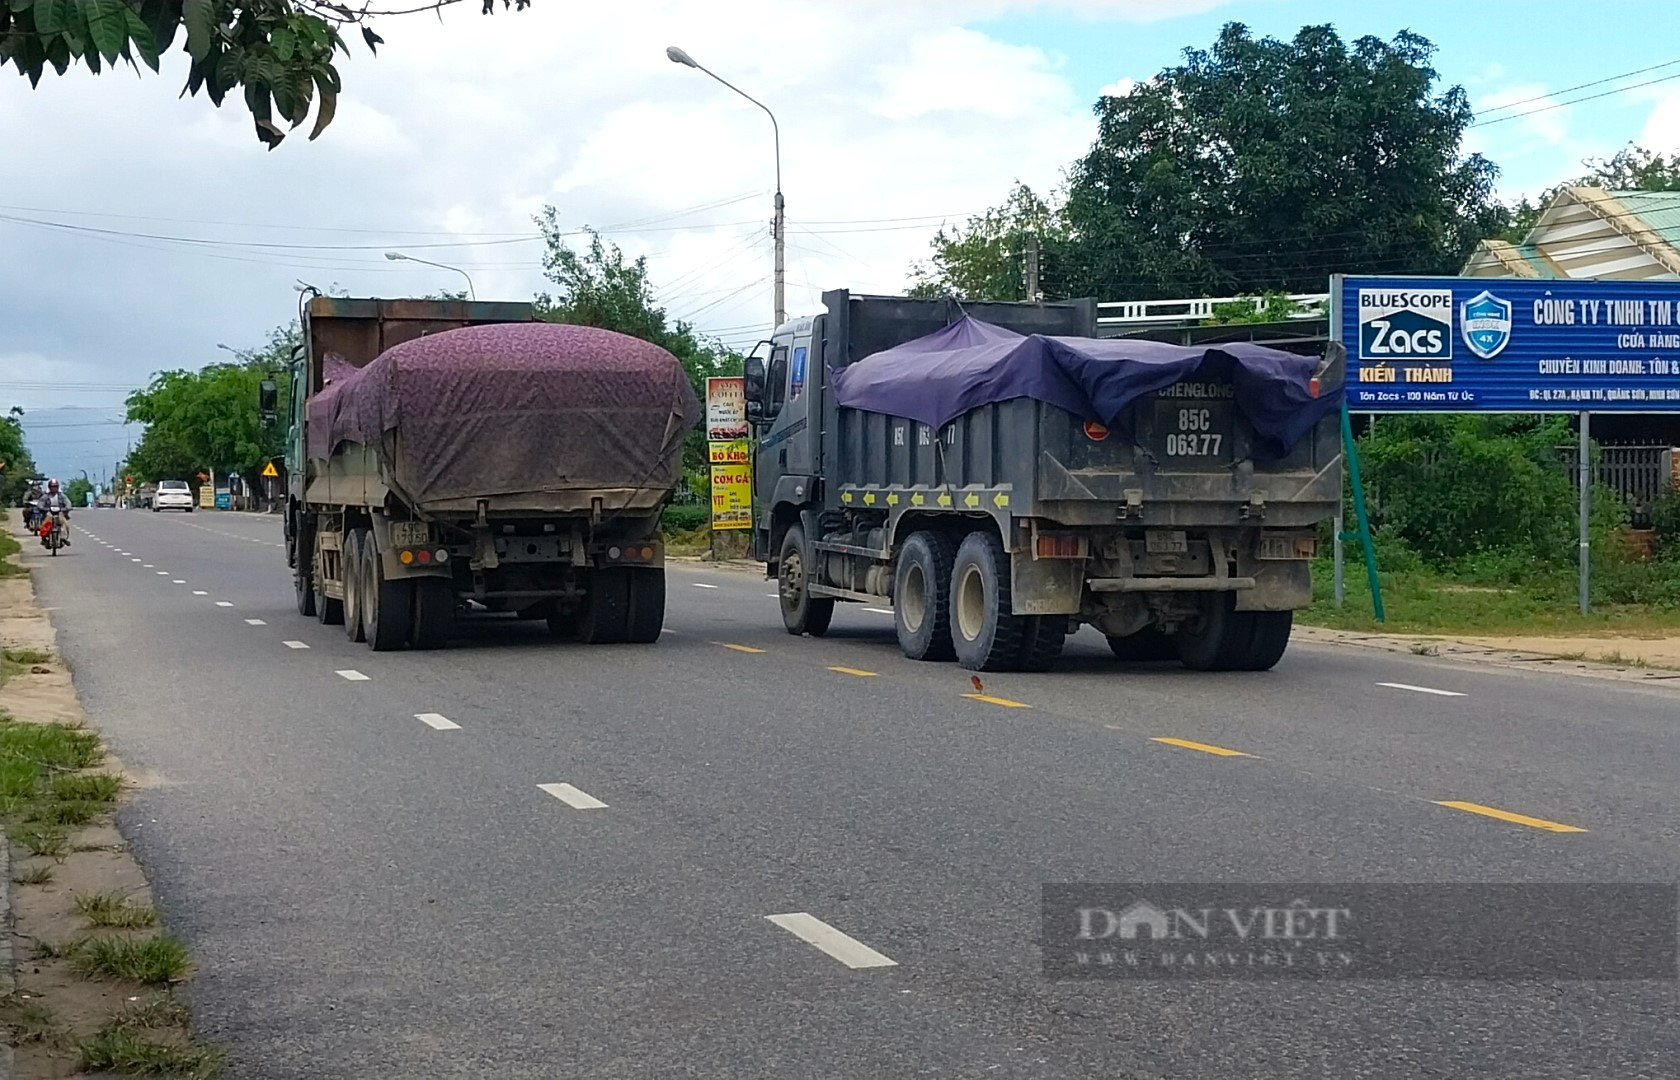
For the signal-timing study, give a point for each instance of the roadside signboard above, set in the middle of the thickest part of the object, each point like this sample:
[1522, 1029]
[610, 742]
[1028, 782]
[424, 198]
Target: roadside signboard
[206, 496]
[726, 409]
[224, 500]
[731, 497]
[727, 450]
[733, 452]
[1508, 344]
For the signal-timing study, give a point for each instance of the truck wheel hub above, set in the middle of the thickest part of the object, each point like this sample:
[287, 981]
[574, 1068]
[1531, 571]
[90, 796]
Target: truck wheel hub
[971, 603]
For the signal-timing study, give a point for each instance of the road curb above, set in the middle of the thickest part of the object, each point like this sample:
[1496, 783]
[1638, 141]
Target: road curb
[1443, 647]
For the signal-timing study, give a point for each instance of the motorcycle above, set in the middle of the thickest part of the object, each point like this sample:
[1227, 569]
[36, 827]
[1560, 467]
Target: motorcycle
[52, 532]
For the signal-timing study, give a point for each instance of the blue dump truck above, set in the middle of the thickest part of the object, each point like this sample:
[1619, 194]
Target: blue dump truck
[446, 456]
[1002, 476]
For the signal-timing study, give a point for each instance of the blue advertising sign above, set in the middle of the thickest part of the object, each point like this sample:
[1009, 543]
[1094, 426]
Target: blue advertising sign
[1456, 344]
[224, 501]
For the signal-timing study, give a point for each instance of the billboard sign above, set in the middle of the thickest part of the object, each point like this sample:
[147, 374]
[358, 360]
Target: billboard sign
[1508, 344]
[726, 409]
[731, 497]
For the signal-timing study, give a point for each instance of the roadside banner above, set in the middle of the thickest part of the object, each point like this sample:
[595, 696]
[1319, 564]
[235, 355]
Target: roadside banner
[729, 453]
[726, 409]
[731, 497]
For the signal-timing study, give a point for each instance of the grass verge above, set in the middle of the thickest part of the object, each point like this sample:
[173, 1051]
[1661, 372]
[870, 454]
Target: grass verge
[113, 909]
[134, 1053]
[9, 547]
[1423, 602]
[156, 961]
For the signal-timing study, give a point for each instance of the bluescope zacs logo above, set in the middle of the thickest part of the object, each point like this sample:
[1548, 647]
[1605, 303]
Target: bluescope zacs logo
[1405, 324]
[1485, 320]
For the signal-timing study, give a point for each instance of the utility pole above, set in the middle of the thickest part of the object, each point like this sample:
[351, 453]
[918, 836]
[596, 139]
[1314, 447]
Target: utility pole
[779, 228]
[779, 225]
[1034, 294]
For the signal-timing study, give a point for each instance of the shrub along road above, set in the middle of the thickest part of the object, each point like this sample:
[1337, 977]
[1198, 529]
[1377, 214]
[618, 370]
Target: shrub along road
[738, 853]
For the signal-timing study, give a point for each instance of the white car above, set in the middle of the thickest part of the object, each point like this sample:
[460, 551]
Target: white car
[172, 495]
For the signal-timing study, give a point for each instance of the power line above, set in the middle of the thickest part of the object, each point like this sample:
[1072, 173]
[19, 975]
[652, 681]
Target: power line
[1582, 86]
[1573, 101]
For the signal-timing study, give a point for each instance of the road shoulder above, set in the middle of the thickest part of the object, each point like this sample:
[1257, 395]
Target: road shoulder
[87, 970]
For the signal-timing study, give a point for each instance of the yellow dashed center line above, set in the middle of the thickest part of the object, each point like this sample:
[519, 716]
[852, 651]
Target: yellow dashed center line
[855, 671]
[1202, 746]
[1506, 815]
[738, 648]
[1005, 702]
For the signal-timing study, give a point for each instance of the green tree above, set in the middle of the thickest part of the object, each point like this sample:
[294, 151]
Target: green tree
[1262, 165]
[598, 286]
[77, 490]
[986, 258]
[279, 53]
[16, 466]
[207, 420]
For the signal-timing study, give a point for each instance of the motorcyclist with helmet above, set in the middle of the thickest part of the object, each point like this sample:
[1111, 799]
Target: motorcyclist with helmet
[53, 500]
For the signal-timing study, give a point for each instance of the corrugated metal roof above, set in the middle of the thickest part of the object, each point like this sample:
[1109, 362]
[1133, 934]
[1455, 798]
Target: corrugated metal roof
[1531, 255]
[1659, 210]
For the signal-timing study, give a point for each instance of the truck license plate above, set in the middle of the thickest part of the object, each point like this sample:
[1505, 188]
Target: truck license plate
[410, 533]
[1287, 547]
[1192, 431]
[1165, 542]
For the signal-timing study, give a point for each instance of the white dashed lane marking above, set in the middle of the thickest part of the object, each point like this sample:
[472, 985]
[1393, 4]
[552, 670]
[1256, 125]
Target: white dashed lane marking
[1421, 689]
[437, 720]
[255, 622]
[353, 675]
[224, 603]
[844, 948]
[702, 585]
[879, 610]
[294, 645]
[573, 798]
[200, 592]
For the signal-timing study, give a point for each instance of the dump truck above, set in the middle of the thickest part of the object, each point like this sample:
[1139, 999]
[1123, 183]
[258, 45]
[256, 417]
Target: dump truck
[446, 456]
[1002, 476]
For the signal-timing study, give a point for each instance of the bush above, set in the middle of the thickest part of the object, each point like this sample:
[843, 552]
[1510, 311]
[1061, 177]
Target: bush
[1453, 487]
[685, 517]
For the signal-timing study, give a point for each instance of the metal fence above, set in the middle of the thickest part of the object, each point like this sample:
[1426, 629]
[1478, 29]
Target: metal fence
[1639, 474]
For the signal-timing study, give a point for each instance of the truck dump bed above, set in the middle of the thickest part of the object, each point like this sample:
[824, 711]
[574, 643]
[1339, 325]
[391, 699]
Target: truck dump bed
[531, 415]
[975, 416]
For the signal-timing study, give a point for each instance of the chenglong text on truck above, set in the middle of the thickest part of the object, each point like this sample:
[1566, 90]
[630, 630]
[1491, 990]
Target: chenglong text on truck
[446, 453]
[1002, 476]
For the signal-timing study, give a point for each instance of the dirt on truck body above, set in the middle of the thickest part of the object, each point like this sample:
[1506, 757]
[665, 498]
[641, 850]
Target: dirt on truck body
[446, 454]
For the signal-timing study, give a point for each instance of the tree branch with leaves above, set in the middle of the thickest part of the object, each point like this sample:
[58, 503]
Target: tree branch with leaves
[279, 54]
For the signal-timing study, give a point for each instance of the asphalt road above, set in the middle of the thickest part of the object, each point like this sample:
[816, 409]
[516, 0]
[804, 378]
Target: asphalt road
[375, 882]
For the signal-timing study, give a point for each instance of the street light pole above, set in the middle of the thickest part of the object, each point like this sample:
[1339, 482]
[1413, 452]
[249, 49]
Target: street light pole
[397, 256]
[779, 224]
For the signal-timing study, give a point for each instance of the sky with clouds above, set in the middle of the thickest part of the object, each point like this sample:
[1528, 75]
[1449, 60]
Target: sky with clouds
[138, 230]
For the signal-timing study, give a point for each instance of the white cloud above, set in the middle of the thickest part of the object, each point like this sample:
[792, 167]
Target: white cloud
[894, 116]
[1119, 87]
[1662, 127]
[1531, 110]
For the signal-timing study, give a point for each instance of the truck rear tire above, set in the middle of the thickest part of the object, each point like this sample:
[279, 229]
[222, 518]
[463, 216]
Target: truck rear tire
[605, 618]
[351, 570]
[647, 605]
[1220, 639]
[802, 613]
[387, 606]
[304, 586]
[922, 597]
[987, 635]
[1042, 638]
[1268, 638]
[434, 611]
[1145, 645]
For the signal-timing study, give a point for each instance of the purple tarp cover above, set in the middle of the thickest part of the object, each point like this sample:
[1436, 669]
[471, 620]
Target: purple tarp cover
[510, 409]
[970, 363]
